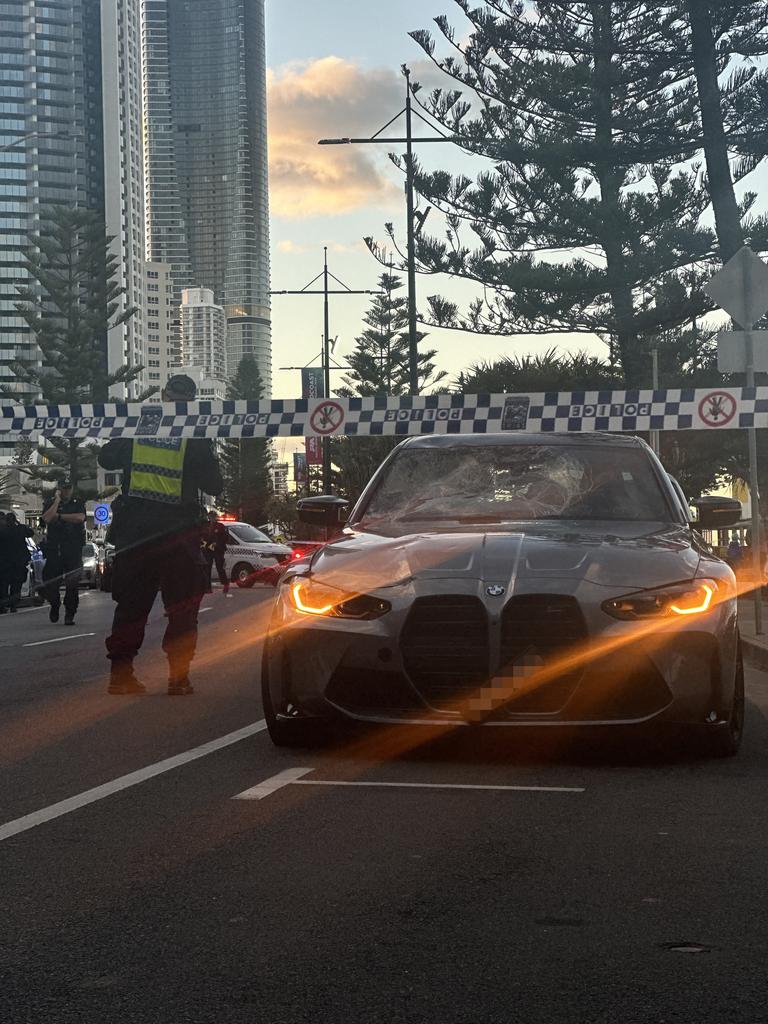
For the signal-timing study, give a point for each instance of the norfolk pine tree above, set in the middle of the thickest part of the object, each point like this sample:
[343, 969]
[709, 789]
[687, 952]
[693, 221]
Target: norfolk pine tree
[71, 303]
[379, 366]
[245, 461]
[592, 208]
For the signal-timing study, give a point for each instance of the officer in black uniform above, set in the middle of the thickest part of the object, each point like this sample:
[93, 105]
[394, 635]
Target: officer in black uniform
[157, 531]
[214, 550]
[64, 517]
[14, 560]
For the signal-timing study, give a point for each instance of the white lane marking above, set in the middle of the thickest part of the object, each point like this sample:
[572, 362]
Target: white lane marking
[58, 639]
[90, 796]
[208, 609]
[269, 786]
[443, 785]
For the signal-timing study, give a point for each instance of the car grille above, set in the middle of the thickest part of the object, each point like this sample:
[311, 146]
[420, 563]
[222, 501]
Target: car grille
[542, 628]
[372, 692]
[445, 648]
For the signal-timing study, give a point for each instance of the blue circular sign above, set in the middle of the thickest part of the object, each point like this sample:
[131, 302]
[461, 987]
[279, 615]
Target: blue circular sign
[102, 514]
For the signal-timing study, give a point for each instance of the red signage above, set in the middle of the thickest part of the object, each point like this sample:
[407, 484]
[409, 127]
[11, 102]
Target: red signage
[718, 408]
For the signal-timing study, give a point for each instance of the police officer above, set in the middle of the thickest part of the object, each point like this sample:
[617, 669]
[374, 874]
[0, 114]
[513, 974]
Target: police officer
[14, 559]
[156, 530]
[64, 517]
[214, 549]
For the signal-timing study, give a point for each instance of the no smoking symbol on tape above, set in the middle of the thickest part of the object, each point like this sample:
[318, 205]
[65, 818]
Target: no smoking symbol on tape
[717, 408]
[327, 418]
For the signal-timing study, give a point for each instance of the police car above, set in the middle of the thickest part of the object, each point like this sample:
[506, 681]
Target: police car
[250, 552]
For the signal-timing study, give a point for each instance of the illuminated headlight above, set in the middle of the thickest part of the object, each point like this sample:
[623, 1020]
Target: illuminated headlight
[312, 598]
[693, 598]
[89, 563]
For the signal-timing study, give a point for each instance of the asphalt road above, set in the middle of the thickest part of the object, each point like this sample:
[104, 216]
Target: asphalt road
[574, 882]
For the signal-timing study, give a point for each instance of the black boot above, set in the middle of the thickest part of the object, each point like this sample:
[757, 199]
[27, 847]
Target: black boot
[122, 681]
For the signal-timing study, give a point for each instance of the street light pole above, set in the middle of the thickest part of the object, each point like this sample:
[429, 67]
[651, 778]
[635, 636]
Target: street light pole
[38, 134]
[326, 291]
[410, 189]
[413, 336]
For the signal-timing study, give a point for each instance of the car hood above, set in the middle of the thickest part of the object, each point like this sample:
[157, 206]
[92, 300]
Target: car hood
[632, 555]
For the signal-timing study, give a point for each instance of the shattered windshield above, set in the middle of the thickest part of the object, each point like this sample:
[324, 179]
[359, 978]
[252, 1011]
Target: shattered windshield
[497, 484]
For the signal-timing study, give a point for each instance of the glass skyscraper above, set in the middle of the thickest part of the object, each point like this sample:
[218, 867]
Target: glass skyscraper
[206, 159]
[51, 149]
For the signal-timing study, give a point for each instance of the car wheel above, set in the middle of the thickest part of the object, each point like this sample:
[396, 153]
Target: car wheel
[726, 739]
[285, 729]
[242, 575]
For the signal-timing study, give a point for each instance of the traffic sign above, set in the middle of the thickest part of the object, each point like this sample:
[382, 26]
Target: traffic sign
[102, 514]
[741, 287]
[733, 351]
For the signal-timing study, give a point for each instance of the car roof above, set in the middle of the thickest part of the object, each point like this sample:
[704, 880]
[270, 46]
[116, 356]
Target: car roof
[593, 438]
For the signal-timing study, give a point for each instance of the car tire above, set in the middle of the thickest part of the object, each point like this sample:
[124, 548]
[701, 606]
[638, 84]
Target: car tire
[284, 731]
[725, 740]
[242, 575]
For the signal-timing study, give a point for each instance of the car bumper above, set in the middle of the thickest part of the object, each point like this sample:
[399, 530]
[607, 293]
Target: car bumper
[617, 674]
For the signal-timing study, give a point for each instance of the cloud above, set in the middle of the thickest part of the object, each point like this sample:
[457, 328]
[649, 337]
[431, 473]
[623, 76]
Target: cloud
[289, 247]
[329, 98]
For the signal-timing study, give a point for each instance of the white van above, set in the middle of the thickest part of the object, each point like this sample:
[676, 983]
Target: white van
[248, 551]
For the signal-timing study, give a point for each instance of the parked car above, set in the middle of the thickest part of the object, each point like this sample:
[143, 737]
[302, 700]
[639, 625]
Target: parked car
[107, 562]
[91, 574]
[250, 554]
[509, 581]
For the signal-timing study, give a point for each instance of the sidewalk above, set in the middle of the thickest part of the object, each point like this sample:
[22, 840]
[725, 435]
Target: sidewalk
[755, 647]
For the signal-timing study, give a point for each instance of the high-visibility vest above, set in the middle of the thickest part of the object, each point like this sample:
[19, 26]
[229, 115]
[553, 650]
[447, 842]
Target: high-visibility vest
[157, 467]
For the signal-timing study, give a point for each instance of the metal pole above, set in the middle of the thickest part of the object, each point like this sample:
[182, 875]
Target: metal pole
[655, 434]
[413, 338]
[327, 470]
[754, 494]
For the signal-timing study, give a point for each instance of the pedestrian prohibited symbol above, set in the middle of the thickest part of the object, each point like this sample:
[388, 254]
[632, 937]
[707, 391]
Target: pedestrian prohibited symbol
[717, 408]
[102, 514]
[327, 418]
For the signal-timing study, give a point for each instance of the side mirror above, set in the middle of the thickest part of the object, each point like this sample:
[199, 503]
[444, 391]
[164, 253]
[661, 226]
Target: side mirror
[323, 510]
[715, 513]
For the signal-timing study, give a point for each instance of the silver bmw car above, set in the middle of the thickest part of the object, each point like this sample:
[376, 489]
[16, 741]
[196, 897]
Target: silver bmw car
[510, 581]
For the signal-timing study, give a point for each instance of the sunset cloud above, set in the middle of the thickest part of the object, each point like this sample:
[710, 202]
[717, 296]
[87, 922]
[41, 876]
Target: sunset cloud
[329, 98]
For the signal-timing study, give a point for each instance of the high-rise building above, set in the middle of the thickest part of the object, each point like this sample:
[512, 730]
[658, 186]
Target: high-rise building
[50, 142]
[124, 176]
[161, 342]
[203, 332]
[206, 159]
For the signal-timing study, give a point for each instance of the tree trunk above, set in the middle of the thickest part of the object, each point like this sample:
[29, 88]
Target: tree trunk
[74, 467]
[611, 179]
[720, 181]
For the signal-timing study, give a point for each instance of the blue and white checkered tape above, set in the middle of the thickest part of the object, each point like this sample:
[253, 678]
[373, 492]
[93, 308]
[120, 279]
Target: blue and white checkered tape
[546, 412]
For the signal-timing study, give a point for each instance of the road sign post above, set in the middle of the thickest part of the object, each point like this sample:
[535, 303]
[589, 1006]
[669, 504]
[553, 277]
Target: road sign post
[740, 288]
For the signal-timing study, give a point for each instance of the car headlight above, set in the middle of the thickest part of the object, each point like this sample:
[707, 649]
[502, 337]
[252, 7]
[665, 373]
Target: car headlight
[310, 597]
[692, 598]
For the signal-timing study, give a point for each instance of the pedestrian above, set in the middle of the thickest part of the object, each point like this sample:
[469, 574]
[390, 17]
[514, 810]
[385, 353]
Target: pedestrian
[734, 552]
[157, 530]
[64, 519]
[214, 549]
[14, 556]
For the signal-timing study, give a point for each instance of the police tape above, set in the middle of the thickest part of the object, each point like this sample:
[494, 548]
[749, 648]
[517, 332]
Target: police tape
[545, 412]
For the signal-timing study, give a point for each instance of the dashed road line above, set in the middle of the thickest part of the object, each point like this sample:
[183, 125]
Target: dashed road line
[270, 786]
[294, 777]
[91, 796]
[58, 639]
[443, 785]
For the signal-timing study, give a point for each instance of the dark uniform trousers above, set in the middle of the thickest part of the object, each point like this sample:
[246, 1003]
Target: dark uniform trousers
[211, 556]
[63, 565]
[12, 578]
[173, 566]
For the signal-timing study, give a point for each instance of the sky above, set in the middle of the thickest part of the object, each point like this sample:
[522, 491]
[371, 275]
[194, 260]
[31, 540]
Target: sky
[334, 70]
